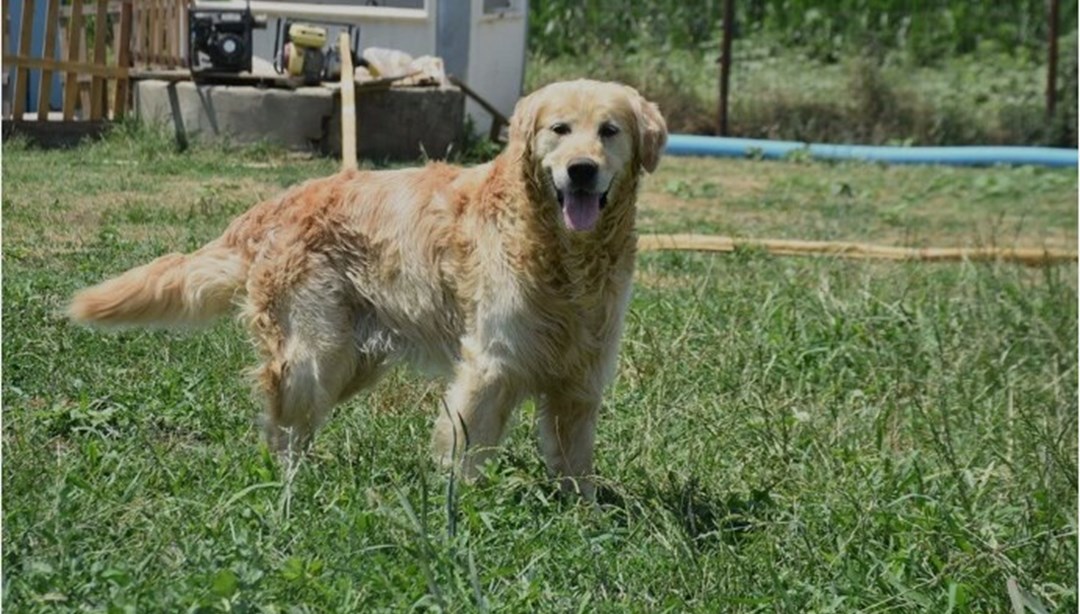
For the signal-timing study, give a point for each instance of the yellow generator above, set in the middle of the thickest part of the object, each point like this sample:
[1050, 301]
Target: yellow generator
[301, 51]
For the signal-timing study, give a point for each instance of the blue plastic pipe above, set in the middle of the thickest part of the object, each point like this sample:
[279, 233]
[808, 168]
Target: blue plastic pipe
[693, 145]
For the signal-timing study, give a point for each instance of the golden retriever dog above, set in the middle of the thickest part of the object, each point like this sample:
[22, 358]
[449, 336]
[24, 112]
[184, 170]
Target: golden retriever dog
[511, 278]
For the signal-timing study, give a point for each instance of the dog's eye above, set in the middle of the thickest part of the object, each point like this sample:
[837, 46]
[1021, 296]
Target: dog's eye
[608, 130]
[560, 128]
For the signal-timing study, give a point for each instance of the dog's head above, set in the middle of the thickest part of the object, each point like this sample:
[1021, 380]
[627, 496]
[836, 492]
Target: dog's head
[583, 139]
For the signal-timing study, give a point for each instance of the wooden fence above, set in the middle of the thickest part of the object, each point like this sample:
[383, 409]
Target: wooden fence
[94, 62]
[161, 29]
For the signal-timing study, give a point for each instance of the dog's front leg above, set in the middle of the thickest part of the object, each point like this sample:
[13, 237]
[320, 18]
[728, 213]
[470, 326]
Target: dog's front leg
[474, 418]
[567, 428]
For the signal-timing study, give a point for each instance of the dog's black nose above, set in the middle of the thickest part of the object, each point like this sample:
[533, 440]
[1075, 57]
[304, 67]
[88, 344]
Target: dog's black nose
[582, 171]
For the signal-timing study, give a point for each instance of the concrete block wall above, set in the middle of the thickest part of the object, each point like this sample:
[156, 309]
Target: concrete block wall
[398, 124]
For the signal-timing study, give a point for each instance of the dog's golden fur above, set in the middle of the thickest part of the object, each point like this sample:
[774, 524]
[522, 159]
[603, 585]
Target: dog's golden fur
[477, 273]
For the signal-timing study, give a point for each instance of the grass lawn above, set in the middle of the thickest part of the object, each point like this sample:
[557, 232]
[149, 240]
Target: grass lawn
[784, 434]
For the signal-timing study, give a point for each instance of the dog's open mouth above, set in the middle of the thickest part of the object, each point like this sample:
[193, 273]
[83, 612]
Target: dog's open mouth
[581, 209]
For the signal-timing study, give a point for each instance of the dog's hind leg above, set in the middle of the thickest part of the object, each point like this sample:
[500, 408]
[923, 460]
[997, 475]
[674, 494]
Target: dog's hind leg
[474, 418]
[310, 364]
[567, 428]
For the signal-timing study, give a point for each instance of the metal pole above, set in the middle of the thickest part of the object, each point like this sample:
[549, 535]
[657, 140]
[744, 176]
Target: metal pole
[1052, 57]
[725, 67]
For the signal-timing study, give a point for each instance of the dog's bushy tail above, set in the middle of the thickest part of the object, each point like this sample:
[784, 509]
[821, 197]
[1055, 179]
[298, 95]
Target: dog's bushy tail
[176, 290]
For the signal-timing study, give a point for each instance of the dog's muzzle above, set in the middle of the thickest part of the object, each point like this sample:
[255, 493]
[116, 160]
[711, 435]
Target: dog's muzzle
[580, 201]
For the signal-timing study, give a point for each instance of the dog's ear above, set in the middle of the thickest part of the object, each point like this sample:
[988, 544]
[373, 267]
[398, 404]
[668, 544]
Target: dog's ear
[652, 130]
[523, 121]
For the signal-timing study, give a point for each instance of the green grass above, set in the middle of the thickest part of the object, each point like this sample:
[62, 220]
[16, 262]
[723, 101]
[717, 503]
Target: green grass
[898, 205]
[784, 434]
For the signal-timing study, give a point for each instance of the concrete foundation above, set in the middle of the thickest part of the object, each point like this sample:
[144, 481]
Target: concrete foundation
[402, 123]
[392, 124]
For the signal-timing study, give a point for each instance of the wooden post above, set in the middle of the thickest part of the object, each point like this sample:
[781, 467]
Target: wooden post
[142, 31]
[348, 104]
[97, 84]
[84, 79]
[155, 31]
[22, 74]
[71, 81]
[185, 33]
[123, 59]
[52, 23]
[178, 34]
[170, 32]
[166, 34]
[1052, 58]
[725, 67]
[147, 28]
[137, 34]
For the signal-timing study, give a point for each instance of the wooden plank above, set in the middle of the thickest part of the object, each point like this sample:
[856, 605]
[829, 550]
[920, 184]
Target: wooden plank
[163, 24]
[174, 39]
[498, 120]
[172, 75]
[113, 8]
[123, 60]
[84, 68]
[185, 28]
[113, 59]
[139, 32]
[52, 23]
[97, 85]
[136, 34]
[148, 43]
[22, 75]
[71, 85]
[155, 31]
[348, 105]
[148, 24]
[166, 32]
[1030, 256]
[63, 42]
[84, 80]
[148, 28]
[227, 78]
[174, 25]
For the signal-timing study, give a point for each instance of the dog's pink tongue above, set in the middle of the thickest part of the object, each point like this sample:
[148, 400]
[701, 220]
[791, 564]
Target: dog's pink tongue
[581, 210]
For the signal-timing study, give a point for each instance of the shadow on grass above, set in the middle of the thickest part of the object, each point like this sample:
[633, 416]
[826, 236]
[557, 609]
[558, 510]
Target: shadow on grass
[708, 519]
